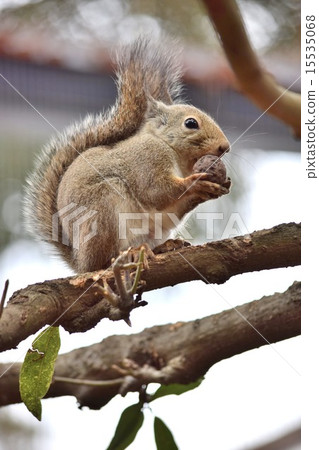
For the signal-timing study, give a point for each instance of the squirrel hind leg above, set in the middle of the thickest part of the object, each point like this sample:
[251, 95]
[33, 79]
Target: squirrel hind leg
[90, 258]
[127, 285]
[146, 251]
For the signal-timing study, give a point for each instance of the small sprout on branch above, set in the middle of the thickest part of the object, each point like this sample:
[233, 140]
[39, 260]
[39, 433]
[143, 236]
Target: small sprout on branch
[3, 297]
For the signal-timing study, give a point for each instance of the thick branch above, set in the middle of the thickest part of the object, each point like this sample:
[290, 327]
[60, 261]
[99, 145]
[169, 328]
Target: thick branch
[255, 82]
[178, 353]
[76, 304]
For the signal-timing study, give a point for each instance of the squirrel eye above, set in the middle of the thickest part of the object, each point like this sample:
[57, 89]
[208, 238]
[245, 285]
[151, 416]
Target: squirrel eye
[191, 123]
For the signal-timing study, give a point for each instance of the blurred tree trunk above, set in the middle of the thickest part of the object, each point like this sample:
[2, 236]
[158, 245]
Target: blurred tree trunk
[255, 82]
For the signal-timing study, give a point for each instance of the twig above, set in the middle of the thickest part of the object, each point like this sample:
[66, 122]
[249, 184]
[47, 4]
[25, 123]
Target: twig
[3, 297]
[254, 81]
[93, 383]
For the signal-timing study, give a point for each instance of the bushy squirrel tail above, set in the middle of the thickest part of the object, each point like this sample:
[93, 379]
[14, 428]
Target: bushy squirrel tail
[144, 69]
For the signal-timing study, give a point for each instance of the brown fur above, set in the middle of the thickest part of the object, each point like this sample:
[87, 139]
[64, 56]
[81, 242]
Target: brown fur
[137, 158]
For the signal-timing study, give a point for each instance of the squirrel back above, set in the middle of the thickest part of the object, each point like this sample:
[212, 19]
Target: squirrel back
[144, 70]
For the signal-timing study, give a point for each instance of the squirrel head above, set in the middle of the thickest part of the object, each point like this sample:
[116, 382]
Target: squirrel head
[187, 130]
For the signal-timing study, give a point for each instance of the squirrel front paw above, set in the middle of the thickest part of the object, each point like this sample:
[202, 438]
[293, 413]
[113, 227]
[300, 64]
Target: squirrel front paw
[200, 186]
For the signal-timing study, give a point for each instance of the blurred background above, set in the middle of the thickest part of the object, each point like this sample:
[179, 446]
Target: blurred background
[55, 65]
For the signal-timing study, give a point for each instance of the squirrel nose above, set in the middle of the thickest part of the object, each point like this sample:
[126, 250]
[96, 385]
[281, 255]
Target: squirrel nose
[224, 148]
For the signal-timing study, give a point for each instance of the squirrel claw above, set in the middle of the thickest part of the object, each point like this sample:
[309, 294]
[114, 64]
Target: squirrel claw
[128, 321]
[148, 254]
[227, 183]
[171, 245]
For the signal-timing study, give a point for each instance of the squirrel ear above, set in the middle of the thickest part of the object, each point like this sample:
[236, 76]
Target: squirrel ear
[157, 110]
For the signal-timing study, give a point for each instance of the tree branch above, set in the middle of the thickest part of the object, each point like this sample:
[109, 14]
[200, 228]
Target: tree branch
[254, 81]
[173, 353]
[77, 305]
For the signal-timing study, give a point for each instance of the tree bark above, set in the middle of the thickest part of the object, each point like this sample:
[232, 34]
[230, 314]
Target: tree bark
[254, 81]
[173, 353]
[76, 304]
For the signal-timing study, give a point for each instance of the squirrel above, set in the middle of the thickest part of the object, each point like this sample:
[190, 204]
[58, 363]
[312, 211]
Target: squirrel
[136, 158]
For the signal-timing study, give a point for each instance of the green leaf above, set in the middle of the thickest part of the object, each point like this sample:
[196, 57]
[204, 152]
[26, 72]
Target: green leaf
[130, 422]
[176, 389]
[37, 369]
[163, 436]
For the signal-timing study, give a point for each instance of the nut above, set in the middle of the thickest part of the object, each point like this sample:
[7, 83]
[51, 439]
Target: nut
[213, 166]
